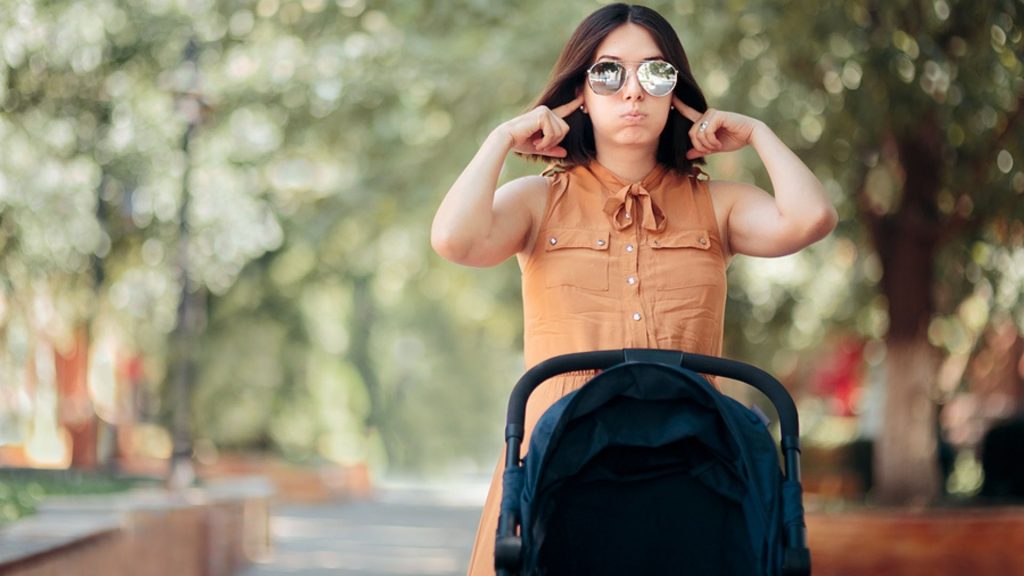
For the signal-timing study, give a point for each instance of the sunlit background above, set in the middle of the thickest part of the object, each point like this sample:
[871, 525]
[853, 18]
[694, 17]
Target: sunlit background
[214, 223]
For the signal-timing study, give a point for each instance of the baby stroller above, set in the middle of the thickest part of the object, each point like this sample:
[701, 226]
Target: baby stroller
[648, 469]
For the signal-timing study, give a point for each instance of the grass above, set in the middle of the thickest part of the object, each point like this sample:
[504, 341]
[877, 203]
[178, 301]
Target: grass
[21, 490]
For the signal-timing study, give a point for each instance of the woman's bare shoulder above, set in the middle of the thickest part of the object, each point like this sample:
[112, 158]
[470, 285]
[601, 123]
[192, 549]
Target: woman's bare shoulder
[529, 192]
[526, 186]
[729, 189]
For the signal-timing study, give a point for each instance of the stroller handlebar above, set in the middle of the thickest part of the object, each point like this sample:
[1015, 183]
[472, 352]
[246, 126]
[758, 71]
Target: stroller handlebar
[604, 359]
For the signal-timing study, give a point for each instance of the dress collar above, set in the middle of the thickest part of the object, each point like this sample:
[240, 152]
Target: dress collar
[612, 181]
[629, 202]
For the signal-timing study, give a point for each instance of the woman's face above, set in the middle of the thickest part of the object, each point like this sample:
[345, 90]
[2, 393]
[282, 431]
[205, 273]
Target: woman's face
[631, 116]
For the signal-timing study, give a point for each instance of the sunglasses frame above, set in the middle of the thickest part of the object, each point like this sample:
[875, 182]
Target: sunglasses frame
[625, 77]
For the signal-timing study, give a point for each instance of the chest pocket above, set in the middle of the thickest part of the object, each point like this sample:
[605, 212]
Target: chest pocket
[684, 259]
[575, 257]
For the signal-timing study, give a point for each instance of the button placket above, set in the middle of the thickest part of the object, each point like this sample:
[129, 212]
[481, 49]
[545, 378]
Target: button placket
[633, 274]
[635, 307]
[627, 243]
[644, 306]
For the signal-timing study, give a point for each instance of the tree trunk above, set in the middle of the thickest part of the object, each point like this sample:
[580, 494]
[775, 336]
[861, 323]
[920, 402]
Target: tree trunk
[182, 469]
[906, 461]
[906, 458]
[74, 405]
[363, 318]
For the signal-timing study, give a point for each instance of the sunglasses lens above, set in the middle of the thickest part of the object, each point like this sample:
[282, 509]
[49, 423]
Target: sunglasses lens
[606, 77]
[657, 78]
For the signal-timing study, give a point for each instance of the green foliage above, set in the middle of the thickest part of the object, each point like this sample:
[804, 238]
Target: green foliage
[857, 84]
[327, 131]
[21, 491]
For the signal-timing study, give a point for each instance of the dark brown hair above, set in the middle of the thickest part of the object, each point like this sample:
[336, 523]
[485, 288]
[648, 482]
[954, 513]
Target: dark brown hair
[570, 73]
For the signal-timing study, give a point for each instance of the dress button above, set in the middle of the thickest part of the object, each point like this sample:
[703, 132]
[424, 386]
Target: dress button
[631, 280]
[703, 241]
[601, 242]
[636, 316]
[629, 248]
[553, 240]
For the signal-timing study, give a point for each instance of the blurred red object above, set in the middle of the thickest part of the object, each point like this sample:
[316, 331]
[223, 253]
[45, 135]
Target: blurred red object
[839, 375]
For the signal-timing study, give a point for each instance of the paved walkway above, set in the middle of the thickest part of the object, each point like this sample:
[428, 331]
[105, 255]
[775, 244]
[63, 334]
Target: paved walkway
[409, 528]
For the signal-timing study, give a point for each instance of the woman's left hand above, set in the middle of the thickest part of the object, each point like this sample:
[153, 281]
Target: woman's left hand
[716, 130]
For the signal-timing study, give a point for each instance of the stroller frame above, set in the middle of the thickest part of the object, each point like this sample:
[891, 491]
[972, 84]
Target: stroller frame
[508, 546]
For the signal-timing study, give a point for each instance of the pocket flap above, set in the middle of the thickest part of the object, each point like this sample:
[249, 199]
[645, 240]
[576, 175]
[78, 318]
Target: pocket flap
[558, 238]
[699, 239]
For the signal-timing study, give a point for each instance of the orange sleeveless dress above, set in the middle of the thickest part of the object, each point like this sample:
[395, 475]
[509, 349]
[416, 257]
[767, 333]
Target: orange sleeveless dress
[615, 265]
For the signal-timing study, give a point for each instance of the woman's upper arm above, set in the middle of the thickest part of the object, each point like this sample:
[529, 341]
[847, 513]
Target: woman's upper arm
[756, 227]
[518, 208]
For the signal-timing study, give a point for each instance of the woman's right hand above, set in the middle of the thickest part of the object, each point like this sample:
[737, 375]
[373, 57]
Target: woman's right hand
[539, 131]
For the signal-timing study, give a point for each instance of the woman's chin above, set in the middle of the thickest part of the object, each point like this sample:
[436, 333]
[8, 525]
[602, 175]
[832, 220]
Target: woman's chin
[636, 136]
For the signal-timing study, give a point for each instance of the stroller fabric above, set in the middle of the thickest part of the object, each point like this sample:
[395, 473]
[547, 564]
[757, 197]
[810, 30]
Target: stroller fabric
[648, 469]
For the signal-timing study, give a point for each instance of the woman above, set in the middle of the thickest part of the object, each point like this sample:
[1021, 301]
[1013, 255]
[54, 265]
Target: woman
[625, 243]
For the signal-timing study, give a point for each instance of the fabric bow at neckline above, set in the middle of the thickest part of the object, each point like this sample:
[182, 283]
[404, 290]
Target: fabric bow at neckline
[622, 206]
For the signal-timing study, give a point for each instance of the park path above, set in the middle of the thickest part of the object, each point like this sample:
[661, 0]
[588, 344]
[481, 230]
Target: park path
[408, 527]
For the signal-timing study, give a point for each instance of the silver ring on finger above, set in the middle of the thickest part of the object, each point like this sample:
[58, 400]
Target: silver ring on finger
[703, 126]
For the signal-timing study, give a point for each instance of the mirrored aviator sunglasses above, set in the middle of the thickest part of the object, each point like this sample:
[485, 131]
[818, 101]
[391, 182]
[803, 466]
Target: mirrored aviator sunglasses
[657, 77]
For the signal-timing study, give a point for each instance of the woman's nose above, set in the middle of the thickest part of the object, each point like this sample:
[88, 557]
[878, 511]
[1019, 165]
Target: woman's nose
[632, 89]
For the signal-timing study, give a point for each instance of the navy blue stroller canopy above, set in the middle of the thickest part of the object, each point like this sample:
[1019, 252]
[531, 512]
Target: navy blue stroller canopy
[648, 469]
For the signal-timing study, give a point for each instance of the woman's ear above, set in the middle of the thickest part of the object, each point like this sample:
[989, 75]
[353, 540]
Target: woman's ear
[579, 93]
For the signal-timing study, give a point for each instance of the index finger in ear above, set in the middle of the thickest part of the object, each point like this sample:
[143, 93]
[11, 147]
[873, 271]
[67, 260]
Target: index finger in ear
[569, 107]
[689, 113]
